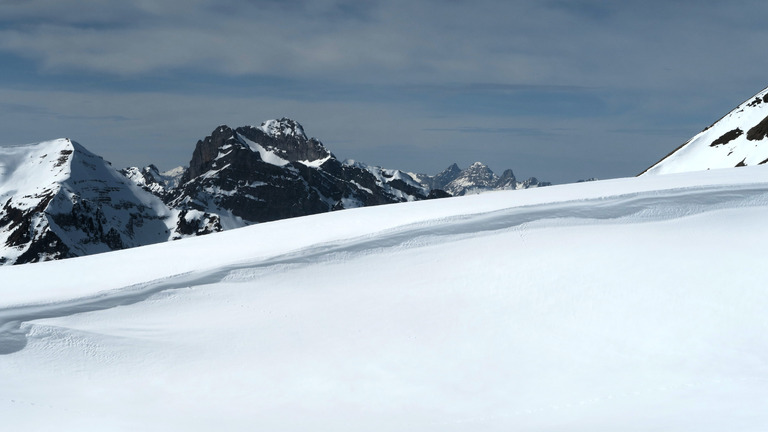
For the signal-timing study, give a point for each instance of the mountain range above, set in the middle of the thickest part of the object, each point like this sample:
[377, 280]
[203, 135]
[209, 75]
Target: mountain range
[59, 200]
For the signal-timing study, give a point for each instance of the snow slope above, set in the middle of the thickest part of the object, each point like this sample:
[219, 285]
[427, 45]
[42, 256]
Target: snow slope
[629, 304]
[738, 139]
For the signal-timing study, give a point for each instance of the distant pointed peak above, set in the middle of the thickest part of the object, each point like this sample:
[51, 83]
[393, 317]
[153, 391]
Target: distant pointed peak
[507, 175]
[453, 168]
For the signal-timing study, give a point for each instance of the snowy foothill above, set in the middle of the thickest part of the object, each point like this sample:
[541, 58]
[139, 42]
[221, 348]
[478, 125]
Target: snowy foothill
[626, 304]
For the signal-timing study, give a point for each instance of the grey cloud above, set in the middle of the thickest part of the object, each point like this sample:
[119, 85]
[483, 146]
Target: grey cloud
[649, 45]
[517, 42]
[369, 76]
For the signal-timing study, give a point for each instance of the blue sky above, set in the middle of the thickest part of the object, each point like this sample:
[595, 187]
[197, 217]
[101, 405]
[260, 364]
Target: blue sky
[560, 90]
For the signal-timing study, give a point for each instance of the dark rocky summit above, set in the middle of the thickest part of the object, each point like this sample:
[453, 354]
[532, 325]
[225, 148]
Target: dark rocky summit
[250, 175]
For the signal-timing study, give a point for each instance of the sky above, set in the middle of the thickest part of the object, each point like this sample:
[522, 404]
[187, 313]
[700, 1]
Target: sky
[560, 90]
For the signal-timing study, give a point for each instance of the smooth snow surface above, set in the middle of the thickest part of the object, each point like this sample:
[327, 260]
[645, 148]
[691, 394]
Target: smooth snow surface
[624, 305]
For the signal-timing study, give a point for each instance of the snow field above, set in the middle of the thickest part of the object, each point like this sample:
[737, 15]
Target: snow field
[633, 305]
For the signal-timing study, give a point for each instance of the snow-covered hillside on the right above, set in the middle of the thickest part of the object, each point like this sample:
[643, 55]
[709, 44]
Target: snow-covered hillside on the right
[736, 140]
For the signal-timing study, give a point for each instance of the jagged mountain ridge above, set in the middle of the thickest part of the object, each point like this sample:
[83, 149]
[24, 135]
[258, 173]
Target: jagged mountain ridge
[59, 200]
[737, 139]
[477, 178]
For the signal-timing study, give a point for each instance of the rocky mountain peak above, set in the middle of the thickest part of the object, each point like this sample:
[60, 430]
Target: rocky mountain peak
[479, 168]
[477, 177]
[446, 176]
[507, 180]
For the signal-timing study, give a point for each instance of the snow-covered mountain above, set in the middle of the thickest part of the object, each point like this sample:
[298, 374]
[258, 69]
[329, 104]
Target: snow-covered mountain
[587, 307]
[477, 178]
[59, 200]
[736, 140]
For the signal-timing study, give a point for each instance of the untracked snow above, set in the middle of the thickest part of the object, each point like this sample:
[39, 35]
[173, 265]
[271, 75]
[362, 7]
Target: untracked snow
[622, 305]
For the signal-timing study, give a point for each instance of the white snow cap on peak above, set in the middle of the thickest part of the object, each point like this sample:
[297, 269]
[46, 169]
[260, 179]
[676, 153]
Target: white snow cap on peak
[283, 127]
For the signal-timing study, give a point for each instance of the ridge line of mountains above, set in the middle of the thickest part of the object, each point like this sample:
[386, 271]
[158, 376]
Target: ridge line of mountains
[59, 200]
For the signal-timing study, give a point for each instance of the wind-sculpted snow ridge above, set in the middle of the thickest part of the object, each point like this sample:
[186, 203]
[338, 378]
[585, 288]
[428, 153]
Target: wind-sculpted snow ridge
[629, 304]
[736, 140]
